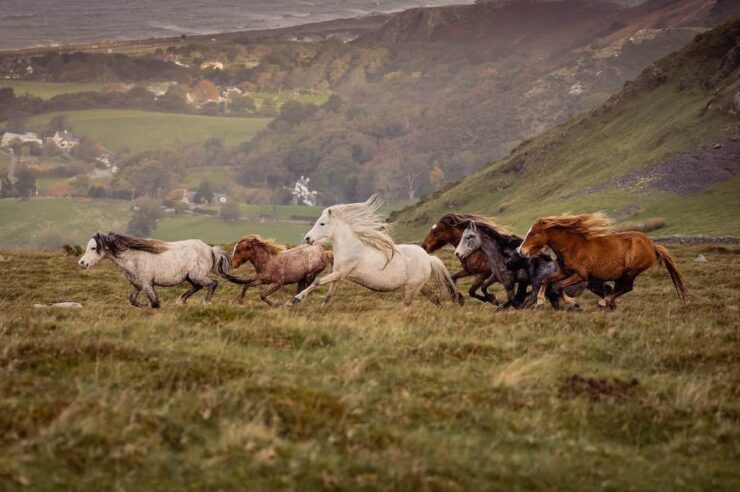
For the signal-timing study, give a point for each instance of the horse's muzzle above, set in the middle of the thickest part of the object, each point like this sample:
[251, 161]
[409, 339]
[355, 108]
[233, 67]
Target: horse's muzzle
[308, 240]
[83, 264]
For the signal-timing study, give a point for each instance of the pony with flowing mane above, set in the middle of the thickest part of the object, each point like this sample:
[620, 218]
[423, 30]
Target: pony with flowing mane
[276, 266]
[150, 263]
[365, 254]
[588, 249]
[449, 230]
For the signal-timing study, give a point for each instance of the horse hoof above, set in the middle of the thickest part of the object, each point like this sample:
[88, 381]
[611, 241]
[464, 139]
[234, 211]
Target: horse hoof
[295, 301]
[539, 307]
[574, 307]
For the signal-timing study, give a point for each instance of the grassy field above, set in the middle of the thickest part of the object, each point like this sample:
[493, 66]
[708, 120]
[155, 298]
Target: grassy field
[118, 129]
[213, 230]
[47, 90]
[364, 395]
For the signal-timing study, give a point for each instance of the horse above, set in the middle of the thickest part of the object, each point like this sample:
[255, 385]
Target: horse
[497, 244]
[365, 254]
[275, 266]
[541, 266]
[148, 263]
[448, 230]
[588, 248]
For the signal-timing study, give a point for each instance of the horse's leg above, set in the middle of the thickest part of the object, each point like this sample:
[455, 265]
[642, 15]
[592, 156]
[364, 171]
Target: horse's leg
[599, 287]
[573, 279]
[332, 289]
[329, 278]
[521, 294]
[553, 277]
[134, 295]
[509, 285]
[623, 285]
[151, 295]
[212, 286]
[431, 295]
[490, 280]
[186, 295]
[269, 289]
[252, 283]
[459, 274]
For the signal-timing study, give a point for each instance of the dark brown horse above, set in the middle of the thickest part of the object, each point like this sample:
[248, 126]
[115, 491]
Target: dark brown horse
[588, 249]
[449, 230]
[275, 266]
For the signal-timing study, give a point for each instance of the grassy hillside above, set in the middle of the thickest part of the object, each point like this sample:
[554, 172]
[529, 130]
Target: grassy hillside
[675, 107]
[118, 129]
[47, 90]
[362, 394]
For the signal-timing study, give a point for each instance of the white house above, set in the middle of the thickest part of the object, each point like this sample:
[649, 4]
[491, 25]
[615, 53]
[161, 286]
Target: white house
[65, 140]
[302, 195]
[214, 64]
[10, 137]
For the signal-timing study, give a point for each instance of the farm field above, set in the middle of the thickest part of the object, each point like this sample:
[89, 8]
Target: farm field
[47, 90]
[364, 395]
[118, 129]
[213, 230]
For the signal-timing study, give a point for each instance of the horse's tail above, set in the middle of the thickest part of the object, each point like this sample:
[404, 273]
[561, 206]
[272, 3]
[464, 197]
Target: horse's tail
[443, 279]
[221, 262]
[669, 262]
[330, 256]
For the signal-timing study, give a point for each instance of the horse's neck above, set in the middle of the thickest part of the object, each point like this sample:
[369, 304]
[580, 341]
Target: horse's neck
[126, 260]
[261, 260]
[456, 236]
[345, 242]
[562, 241]
[492, 248]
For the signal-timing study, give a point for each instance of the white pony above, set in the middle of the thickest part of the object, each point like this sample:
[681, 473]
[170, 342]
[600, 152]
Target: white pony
[365, 254]
[148, 263]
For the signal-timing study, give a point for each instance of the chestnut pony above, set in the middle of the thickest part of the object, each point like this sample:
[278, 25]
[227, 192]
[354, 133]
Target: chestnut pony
[276, 266]
[588, 249]
[449, 230]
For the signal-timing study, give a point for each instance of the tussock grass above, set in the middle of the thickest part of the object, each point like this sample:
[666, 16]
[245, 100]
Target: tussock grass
[364, 394]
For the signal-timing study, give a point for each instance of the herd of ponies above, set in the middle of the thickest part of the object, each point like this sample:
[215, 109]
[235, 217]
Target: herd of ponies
[559, 258]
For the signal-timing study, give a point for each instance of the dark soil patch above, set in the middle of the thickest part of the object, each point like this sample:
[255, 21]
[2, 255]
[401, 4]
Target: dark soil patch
[597, 389]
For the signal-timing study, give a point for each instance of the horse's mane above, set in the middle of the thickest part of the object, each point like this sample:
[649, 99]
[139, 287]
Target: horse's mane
[590, 225]
[499, 234]
[118, 243]
[371, 228]
[482, 221]
[268, 245]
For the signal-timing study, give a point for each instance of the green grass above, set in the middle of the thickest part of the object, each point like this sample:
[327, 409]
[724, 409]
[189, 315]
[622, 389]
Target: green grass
[214, 230]
[362, 394]
[118, 129]
[47, 90]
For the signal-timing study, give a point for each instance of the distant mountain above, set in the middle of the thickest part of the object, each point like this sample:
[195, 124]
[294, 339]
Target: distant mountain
[463, 85]
[667, 145]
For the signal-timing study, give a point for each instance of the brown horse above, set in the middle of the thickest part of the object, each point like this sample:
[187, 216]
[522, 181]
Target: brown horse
[449, 230]
[588, 249]
[275, 266]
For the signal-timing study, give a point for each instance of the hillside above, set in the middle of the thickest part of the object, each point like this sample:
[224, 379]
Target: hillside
[462, 85]
[667, 145]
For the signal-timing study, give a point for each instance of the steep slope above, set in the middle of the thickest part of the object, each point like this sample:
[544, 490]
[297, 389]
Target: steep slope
[463, 85]
[667, 145]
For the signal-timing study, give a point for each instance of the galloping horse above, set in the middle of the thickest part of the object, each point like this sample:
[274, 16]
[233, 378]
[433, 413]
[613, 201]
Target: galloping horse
[448, 230]
[587, 248]
[148, 263]
[275, 266]
[365, 254]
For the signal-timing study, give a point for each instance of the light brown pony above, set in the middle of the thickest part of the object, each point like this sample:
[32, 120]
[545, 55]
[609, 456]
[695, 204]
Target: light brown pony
[588, 249]
[276, 266]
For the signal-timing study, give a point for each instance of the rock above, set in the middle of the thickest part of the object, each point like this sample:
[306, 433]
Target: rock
[717, 146]
[65, 305]
[701, 258]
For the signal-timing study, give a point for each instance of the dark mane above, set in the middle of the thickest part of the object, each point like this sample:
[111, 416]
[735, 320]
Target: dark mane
[118, 243]
[495, 233]
[463, 220]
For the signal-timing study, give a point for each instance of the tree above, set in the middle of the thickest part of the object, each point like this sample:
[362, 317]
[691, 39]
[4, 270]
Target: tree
[15, 124]
[333, 104]
[205, 91]
[58, 123]
[243, 104]
[301, 161]
[269, 106]
[87, 150]
[229, 210]
[204, 193]
[26, 184]
[7, 188]
[144, 220]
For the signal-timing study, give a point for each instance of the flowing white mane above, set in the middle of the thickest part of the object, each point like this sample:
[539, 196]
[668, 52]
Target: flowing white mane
[362, 218]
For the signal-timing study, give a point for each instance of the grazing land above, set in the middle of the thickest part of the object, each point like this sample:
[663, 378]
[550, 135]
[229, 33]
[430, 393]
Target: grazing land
[363, 394]
[119, 129]
[47, 90]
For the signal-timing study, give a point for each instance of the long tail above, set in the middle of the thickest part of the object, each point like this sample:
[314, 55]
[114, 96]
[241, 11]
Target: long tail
[221, 262]
[669, 262]
[443, 279]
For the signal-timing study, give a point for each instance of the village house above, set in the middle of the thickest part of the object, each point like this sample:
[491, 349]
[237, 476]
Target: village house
[28, 137]
[212, 64]
[65, 140]
[220, 198]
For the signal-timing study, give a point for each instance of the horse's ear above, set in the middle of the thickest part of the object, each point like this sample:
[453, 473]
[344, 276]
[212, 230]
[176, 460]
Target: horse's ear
[328, 212]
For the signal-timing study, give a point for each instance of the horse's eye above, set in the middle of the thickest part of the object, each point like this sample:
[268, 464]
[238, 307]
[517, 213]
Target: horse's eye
[93, 248]
[322, 224]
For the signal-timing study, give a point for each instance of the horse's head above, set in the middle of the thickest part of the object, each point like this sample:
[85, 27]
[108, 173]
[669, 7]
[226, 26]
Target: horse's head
[322, 228]
[469, 243]
[535, 241]
[243, 252]
[442, 232]
[95, 251]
